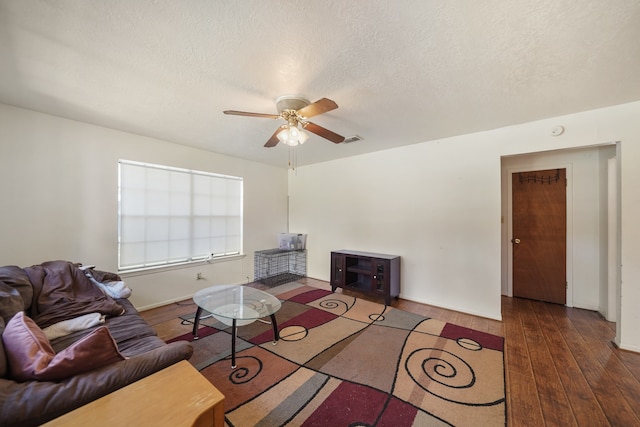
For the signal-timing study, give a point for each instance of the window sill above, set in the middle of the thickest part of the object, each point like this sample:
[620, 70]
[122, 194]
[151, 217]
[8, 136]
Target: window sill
[188, 264]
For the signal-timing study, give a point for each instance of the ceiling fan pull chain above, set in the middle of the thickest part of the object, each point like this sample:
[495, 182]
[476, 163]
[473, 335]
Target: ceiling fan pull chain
[293, 159]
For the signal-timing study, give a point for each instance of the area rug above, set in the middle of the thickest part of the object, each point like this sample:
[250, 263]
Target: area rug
[345, 361]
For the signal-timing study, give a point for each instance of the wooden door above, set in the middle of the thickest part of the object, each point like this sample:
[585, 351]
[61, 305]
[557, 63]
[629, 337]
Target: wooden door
[540, 235]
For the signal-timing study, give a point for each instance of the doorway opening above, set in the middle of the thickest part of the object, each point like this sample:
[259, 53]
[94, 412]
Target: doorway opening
[589, 258]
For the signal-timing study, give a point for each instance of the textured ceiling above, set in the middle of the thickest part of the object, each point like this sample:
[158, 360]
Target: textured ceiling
[401, 72]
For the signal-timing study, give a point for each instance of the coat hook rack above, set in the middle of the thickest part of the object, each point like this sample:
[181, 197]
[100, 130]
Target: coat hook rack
[533, 177]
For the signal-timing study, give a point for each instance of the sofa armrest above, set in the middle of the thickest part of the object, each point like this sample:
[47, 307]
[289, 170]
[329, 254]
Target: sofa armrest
[35, 402]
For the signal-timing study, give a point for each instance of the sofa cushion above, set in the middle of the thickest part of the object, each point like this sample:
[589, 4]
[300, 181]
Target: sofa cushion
[132, 334]
[31, 357]
[18, 279]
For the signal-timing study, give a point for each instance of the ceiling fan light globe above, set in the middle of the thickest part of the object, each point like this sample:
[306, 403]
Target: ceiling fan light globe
[303, 137]
[283, 135]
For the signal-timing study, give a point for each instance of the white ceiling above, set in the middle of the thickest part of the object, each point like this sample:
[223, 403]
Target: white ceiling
[401, 72]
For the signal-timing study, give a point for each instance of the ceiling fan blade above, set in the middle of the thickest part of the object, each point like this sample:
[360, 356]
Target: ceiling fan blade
[244, 113]
[323, 132]
[273, 141]
[320, 106]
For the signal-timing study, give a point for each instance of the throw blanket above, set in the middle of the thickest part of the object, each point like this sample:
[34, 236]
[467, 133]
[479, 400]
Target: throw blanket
[61, 291]
[66, 327]
[110, 286]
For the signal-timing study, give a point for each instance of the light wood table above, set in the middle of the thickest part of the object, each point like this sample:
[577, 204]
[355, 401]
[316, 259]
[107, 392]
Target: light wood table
[176, 396]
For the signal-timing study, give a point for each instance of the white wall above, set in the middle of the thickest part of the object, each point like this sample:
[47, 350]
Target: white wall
[432, 204]
[58, 186]
[438, 205]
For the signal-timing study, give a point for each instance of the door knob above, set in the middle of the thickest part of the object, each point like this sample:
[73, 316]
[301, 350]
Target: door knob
[516, 241]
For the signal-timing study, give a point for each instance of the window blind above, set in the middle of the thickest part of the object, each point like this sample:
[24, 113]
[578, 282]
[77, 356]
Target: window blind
[171, 216]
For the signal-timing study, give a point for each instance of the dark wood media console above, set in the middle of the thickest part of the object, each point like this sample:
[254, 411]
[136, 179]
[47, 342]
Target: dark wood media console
[370, 273]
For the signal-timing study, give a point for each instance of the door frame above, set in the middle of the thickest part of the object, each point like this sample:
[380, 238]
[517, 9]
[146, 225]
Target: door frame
[509, 221]
[613, 240]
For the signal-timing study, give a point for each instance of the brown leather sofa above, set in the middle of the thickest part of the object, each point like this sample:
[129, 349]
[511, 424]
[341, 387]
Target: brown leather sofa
[33, 402]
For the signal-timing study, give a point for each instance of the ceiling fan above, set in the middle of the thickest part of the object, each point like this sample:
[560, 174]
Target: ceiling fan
[295, 111]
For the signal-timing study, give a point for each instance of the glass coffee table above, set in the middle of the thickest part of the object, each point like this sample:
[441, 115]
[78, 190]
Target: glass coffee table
[236, 305]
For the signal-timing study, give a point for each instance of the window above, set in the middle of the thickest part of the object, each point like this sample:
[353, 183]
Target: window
[172, 216]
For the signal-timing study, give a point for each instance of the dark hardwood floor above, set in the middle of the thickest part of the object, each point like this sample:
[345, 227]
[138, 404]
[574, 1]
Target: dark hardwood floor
[561, 366]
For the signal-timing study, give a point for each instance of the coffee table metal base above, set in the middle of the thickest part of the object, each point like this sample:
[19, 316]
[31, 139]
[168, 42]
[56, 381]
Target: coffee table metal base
[196, 324]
